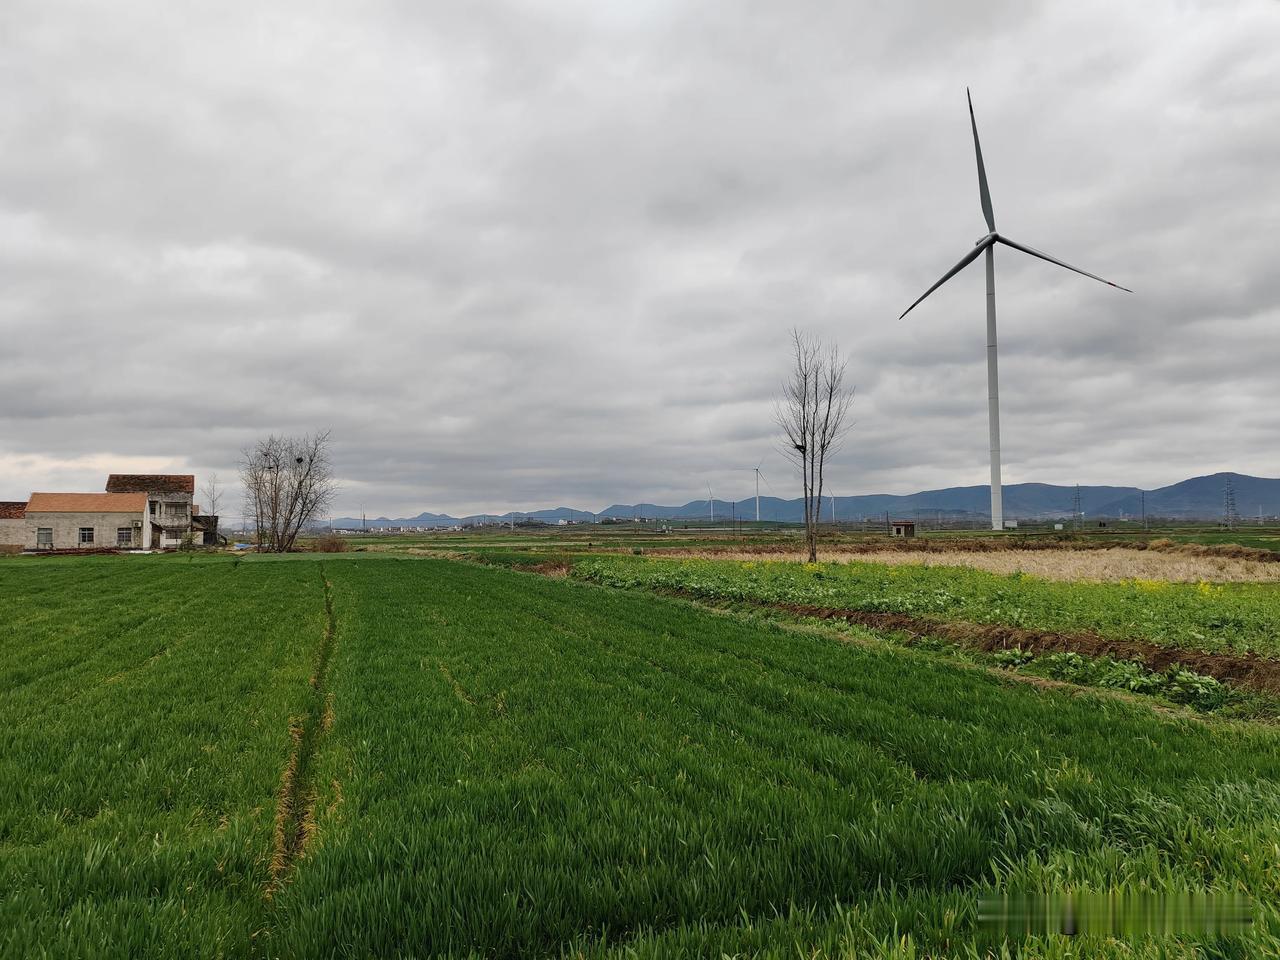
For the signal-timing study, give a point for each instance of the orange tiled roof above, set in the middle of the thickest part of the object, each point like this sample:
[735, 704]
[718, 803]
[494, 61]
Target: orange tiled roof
[151, 483]
[12, 509]
[87, 503]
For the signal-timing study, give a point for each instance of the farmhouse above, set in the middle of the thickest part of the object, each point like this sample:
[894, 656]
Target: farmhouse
[137, 512]
[904, 528]
[12, 525]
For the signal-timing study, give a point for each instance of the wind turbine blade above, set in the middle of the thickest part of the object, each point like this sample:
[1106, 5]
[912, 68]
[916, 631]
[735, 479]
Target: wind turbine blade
[983, 191]
[1045, 256]
[969, 257]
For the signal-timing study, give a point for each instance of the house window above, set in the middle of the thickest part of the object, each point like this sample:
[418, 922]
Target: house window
[175, 509]
[155, 507]
[44, 536]
[86, 536]
[124, 536]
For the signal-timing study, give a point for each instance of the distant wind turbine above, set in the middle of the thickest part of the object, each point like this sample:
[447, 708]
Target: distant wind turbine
[987, 245]
[759, 477]
[756, 471]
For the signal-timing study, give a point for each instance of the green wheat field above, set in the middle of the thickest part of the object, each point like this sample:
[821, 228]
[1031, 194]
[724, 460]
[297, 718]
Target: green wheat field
[378, 756]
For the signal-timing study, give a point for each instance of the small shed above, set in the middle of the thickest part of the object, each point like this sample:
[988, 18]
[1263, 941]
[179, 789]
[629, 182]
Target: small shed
[902, 528]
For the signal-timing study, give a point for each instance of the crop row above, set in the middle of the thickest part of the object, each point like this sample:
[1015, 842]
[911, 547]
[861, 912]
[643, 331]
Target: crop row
[521, 766]
[144, 721]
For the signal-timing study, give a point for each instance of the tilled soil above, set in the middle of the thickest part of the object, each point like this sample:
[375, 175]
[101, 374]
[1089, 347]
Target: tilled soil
[1247, 670]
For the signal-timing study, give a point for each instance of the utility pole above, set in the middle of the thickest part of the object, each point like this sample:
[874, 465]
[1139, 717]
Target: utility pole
[1077, 515]
[757, 494]
[711, 501]
[1229, 515]
[1144, 509]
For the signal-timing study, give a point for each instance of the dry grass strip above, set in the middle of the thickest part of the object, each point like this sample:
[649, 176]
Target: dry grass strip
[282, 841]
[1115, 564]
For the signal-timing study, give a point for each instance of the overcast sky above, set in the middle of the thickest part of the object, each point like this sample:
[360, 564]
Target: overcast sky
[523, 254]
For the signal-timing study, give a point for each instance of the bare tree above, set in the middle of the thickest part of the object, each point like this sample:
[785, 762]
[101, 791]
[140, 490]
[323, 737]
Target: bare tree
[211, 493]
[812, 413]
[287, 482]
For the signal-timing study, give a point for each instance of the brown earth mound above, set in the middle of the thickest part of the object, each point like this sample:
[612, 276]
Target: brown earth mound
[552, 568]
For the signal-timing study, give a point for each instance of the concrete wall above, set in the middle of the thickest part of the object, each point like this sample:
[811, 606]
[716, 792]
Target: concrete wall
[165, 512]
[12, 532]
[66, 529]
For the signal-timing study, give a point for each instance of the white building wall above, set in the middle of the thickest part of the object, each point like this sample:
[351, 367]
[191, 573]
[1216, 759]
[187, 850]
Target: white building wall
[66, 529]
[12, 532]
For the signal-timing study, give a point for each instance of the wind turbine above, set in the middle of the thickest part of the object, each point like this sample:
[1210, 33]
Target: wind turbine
[756, 471]
[987, 246]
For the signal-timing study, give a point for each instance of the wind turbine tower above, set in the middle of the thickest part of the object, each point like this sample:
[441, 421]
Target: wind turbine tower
[986, 246]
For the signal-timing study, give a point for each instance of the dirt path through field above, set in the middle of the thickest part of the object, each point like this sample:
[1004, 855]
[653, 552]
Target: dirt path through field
[295, 804]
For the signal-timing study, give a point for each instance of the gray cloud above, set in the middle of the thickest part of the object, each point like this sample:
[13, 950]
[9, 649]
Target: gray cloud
[517, 254]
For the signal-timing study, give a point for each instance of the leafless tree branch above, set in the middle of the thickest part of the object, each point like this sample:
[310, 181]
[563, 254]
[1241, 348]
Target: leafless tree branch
[812, 413]
[211, 493]
[287, 482]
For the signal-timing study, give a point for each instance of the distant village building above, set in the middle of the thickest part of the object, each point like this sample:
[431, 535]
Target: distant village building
[903, 528]
[137, 512]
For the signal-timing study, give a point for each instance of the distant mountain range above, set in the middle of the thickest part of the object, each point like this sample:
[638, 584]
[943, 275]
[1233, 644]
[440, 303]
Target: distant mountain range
[1200, 498]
